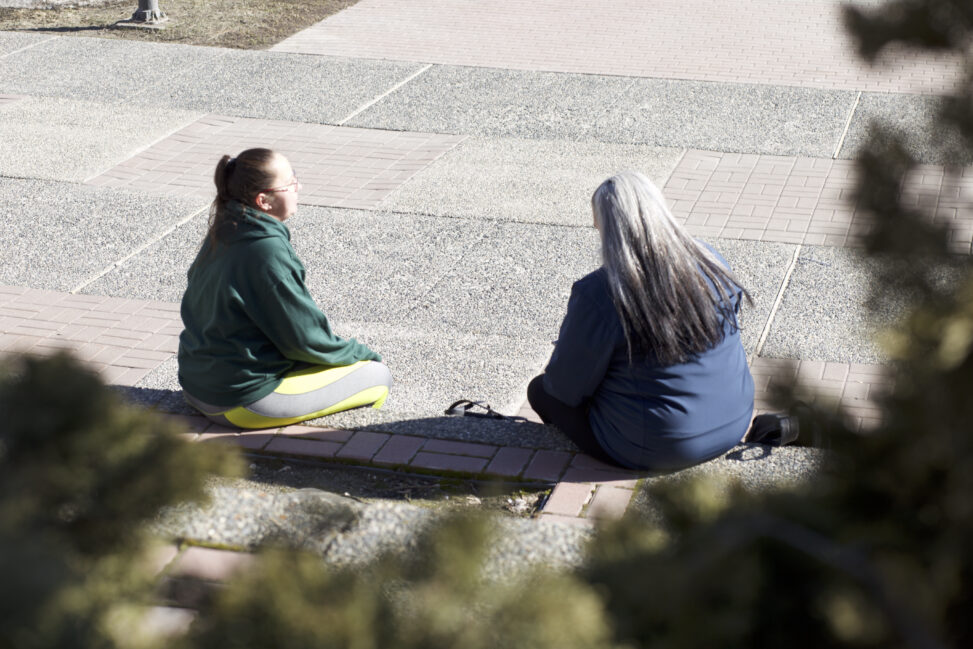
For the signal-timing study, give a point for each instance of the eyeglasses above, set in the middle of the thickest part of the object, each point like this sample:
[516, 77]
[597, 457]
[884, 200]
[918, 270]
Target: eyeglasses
[294, 185]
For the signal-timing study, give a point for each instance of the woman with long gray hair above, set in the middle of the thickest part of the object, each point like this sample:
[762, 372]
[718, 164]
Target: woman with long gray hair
[648, 371]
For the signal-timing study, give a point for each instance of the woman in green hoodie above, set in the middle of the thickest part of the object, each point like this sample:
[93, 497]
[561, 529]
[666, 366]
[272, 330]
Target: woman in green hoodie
[256, 351]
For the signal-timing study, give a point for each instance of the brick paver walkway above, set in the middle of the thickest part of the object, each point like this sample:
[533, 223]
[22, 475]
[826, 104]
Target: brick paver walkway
[748, 41]
[122, 339]
[338, 166]
[800, 200]
[126, 339]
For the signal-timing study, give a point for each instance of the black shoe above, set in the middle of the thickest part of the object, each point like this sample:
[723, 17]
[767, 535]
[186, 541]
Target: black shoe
[773, 429]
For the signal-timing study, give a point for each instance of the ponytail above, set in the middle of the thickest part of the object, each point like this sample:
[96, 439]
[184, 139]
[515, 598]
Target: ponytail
[237, 179]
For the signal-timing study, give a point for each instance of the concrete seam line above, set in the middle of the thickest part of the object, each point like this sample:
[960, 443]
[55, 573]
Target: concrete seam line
[385, 94]
[844, 133]
[27, 47]
[148, 146]
[780, 298]
[115, 264]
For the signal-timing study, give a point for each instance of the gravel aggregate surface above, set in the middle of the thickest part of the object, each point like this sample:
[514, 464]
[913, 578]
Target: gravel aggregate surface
[760, 267]
[63, 234]
[99, 69]
[315, 89]
[515, 281]
[756, 467]
[249, 518]
[535, 105]
[434, 367]
[13, 41]
[911, 115]
[66, 139]
[737, 117]
[823, 315]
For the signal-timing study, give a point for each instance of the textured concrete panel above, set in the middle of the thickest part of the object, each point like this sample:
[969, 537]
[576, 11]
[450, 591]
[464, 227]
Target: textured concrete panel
[376, 266]
[823, 315]
[505, 103]
[532, 181]
[725, 117]
[360, 265]
[57, 235]
[159, 271]
[912, 116]
[10, 42]
[760, 268]
[432, 367]
[514, 282]
[65, 139]
[781, 120]
[99, 69]
[271, 85]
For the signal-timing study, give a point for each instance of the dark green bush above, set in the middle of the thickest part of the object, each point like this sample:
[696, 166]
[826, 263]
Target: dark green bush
[79, 474]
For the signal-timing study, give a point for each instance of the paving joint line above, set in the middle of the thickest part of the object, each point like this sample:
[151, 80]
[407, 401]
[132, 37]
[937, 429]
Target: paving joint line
[777, 302]
[27, 47]
[148, 146]
[385, 94]
[138, 250]
[844, 134]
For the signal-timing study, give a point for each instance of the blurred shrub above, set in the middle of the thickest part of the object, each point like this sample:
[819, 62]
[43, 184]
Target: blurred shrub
[79, 474]
[431, 597]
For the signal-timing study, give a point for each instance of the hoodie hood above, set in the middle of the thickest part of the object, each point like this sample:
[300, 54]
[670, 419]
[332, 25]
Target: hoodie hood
[248, 223]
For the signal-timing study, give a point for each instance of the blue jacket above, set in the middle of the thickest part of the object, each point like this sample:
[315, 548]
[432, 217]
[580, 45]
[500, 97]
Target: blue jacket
[644, 415]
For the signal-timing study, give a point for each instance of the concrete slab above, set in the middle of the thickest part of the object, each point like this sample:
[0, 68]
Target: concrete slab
[505, 103]
[719, 116]
[823, 315]
[529, 181]
[66, 139]
[514, 282]
[760, 267]
[912, 115]
[272, 85]
[14, 41]
[756, 467]
[519, 545]
[361, 265]
[751, 118]
[159, 271]
[377, 267]
[97, 69]
[432, 367]
[58, 235]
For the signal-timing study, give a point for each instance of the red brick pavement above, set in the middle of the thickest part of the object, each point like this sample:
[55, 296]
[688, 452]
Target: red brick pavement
[853, 386]
[747, 41]
[800, 200]
[337, 166]
[123, 339]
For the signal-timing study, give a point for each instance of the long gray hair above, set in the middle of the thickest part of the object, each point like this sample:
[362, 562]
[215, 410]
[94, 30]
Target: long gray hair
[657, 273]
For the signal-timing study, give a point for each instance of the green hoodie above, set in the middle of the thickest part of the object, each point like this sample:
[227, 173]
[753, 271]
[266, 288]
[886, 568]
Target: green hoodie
[249, 318]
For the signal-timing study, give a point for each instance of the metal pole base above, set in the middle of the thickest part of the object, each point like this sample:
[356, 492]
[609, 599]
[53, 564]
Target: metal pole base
[145, 19]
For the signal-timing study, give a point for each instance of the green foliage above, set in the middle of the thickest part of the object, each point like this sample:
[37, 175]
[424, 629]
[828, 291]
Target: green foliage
[79, 474]
[878, 551]
[431, 598]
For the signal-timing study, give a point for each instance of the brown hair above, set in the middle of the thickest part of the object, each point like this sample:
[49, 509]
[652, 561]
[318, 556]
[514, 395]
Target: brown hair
[238, 179]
